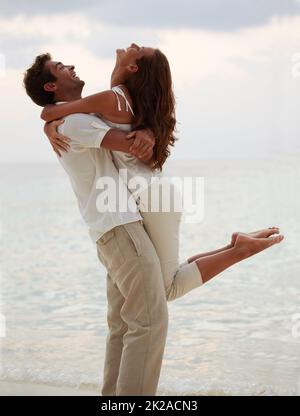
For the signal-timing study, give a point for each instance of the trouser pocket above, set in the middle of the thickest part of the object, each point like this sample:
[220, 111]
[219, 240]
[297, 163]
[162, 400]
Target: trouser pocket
[132, 231]
[109, 251]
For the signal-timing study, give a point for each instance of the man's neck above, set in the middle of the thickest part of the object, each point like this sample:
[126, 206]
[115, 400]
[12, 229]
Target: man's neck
[68, 97]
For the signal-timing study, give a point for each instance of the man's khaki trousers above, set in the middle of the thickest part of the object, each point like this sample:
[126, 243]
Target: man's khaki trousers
[137, 312]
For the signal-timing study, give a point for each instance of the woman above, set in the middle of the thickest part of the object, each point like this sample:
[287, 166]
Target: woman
[141, 97]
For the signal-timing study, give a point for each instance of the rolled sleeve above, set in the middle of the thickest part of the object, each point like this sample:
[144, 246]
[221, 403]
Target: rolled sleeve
[84, 130]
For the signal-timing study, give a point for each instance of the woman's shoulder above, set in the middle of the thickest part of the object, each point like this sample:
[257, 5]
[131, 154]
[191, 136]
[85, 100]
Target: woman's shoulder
[121, 89]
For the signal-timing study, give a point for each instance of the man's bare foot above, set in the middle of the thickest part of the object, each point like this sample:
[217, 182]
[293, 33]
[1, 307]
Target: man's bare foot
[264, 233]
[249, 245]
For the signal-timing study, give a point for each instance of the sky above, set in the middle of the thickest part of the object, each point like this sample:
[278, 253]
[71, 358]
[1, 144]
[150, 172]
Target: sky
[235, 66]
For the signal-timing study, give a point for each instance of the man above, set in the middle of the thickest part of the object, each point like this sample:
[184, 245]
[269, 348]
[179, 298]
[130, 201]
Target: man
[137, 307]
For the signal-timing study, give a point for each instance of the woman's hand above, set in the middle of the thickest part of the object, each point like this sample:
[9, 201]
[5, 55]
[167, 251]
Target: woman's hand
[58, 141]
[142, 147]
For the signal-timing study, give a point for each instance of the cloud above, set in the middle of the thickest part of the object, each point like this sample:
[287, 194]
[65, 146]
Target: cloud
[235, 92]
[216, 15]
[21, 37]
[212, 15]
[102, 26]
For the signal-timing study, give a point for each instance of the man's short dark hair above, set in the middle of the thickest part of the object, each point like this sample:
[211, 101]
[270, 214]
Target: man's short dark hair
[36, 77]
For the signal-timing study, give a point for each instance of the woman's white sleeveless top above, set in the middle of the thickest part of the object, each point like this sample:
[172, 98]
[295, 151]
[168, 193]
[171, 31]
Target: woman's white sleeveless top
[135, 173]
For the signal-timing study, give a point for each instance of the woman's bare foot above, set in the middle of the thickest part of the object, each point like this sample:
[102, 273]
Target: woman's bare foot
[249, 245]
[264, 233]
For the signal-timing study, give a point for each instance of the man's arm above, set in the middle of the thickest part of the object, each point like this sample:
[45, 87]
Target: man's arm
[80, 132]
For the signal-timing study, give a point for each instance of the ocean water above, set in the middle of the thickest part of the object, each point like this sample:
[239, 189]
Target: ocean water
[237, 334]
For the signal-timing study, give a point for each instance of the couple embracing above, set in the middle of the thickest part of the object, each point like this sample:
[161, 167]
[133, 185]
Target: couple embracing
[129, 127]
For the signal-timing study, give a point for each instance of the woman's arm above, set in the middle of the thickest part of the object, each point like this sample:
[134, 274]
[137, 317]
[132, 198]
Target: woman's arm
[103, 103]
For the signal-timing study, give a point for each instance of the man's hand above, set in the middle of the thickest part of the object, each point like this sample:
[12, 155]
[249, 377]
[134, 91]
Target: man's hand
[142, 147]
[58, 141]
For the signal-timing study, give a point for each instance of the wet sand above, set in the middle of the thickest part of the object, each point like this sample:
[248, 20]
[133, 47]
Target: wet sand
[11, 388]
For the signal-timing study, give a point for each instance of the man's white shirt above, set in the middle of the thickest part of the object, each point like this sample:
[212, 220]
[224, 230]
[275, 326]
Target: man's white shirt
[88, 166]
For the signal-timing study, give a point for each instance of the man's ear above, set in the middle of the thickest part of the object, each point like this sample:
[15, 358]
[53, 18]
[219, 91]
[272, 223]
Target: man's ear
[132, 68]
[50, 86]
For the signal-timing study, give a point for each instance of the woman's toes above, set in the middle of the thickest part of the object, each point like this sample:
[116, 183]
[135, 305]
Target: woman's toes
[271, 230]
[276, 229]
[265, 233]
[276, 238]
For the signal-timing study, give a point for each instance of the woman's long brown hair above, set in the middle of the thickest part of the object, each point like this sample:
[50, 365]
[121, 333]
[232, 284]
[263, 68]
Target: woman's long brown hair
[154, 103]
